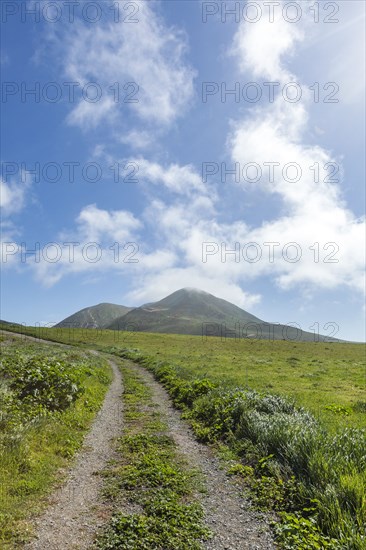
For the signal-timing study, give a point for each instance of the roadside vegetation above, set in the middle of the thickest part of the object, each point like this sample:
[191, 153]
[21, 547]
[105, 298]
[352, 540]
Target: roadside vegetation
[151, 481]
[48, 397]
[328, 379]
[314, 480]
[290, 416]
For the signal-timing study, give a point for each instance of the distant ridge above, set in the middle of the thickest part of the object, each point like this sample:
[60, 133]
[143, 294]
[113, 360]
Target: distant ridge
[99, 316]
[196, 312]
[187, 311]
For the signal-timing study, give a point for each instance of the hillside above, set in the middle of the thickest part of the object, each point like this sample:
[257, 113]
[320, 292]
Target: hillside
[183, 312]
[99, 316]
[195, 312]
[187, 311]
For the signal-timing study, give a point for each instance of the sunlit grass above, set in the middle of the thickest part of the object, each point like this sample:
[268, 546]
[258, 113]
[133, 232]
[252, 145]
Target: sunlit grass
[34, 446]
[329, 379]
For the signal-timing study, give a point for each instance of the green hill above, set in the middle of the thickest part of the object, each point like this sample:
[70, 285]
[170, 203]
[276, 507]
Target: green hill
[195, 312]
[98, 316]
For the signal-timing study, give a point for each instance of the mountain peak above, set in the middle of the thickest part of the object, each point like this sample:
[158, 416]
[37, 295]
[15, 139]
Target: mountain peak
[193, 290]
[98, 316]
[188, 310]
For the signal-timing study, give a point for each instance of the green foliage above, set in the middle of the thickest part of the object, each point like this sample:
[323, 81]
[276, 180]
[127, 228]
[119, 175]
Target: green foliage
[42, 382]
[337, 369]
[241, 470]
[166, 523]
[48, 398]
[320, 449]
[338, 409]
[296, 532]
[150, 472]
[294, 459]
[151, 475]
[274, 493]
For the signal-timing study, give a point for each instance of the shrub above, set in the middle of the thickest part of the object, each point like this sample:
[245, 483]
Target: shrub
[294, 459]
[44, 382]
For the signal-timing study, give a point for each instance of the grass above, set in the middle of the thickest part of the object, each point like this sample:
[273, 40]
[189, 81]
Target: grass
[313, 479]
[292, 414]
[150, 476]
[328, 379]
[40, 431]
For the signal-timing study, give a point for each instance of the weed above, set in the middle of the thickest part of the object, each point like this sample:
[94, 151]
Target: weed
[151, 475]
[48, 398]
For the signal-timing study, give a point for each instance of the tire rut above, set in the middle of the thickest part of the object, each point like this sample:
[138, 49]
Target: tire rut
[228, 514]
[76, 511]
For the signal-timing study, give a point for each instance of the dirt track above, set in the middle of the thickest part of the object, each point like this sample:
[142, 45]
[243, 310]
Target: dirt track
[76, 511]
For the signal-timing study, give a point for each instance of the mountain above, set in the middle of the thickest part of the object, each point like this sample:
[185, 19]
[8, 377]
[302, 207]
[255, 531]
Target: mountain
[193, 311]
[99, 316]
[2, 322]
[183, 312]
[187, 311]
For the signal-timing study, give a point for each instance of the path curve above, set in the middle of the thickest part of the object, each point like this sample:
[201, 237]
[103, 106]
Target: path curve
[76, 511]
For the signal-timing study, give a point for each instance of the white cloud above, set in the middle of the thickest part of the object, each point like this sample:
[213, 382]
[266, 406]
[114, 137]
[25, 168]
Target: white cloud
[90, 115]
[101, 241]
[137, 139]
[260, 47]
[184, 212]
[312, 211]
[13, 195]
[183, 180]
[95, 224]
[147, 54]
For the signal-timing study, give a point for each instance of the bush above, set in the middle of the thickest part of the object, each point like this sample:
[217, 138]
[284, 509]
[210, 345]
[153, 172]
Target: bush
[43, 382]
[294, 459]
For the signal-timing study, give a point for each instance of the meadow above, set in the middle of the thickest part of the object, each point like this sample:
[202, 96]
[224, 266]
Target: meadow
[289, 417]
[328, 379]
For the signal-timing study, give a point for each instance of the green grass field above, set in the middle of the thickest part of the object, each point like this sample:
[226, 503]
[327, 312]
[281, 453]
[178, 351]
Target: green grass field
[292, 415]
[329, 379]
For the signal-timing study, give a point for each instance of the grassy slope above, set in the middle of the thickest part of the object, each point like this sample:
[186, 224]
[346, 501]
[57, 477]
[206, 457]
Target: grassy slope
[35, 452]
[317, 375]
[99, 315]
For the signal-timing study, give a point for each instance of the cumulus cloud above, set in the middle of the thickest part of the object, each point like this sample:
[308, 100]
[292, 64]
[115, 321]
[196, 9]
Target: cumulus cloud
[183, 213]
[94, 224]
[313, 210]
[328, 241]
[183, 180]
[101, 241]
[13, 198]
[263, 47]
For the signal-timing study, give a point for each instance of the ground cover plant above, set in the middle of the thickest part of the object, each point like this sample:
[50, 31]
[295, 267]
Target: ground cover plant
[152, 478]
[48, 397]
[328, 379]
[291, 414]
[314, 479]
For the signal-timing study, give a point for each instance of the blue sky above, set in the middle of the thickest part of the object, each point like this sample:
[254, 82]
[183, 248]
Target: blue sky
[156, 223]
